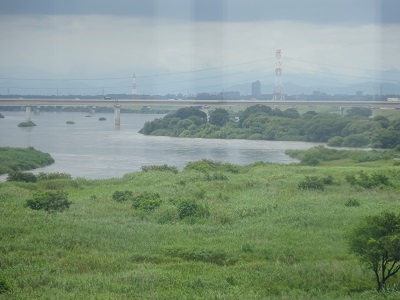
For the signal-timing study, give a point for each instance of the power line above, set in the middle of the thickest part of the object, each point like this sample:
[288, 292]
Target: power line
[130, 77]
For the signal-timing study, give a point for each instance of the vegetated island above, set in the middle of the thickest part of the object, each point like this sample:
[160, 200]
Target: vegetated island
[260, 122]
[21, 159]
[26, 124]
[262, 231]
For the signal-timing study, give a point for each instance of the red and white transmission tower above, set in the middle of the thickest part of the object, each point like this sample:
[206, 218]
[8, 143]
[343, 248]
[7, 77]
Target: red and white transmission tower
[278, 85]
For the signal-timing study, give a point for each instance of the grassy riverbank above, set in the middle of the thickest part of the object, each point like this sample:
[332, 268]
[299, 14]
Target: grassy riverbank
[20, 159]
[215, 231]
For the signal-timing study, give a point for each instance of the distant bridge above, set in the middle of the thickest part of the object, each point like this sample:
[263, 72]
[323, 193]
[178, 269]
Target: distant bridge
[191, 102]
[204, 104]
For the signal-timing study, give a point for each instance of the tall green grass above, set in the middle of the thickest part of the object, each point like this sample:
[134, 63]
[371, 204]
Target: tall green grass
[264, 238]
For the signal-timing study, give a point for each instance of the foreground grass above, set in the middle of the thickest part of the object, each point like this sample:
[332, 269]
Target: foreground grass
[264, 238]
[21, 159]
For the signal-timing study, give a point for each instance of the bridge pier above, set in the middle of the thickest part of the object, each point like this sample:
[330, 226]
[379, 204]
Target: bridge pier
[36, 110]
[117, 115]
[28, 114]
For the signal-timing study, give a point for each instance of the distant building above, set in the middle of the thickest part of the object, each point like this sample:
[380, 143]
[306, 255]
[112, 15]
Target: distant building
[256, 88]
[359, 93]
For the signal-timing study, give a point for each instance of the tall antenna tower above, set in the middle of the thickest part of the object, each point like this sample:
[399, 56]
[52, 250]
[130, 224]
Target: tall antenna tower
[134, 85]
[278, 85]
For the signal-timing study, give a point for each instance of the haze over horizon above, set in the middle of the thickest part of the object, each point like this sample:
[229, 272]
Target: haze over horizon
[190, 46]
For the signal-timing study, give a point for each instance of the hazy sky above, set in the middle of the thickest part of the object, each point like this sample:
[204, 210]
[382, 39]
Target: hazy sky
[87, 46]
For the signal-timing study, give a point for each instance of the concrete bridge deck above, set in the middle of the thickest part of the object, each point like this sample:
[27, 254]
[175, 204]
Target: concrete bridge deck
[156, 102]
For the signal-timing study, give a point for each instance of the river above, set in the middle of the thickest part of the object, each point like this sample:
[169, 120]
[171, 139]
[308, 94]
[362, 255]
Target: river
[96, 149]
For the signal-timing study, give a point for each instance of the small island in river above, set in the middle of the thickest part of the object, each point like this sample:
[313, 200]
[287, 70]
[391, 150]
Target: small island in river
[22, 159]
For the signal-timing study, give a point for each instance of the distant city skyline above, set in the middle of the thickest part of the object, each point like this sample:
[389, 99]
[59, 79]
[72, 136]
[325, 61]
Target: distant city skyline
[192, 46]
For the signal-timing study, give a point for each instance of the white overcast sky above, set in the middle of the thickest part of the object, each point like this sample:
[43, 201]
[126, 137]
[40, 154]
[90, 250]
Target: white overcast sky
[87, 46]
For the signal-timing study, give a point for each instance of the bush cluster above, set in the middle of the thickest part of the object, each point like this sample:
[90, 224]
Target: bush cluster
[49, 201]
[206, 165]
[146, 201]
[21, 176]
[318, 154]
[52, 176]
[122, 196]
[30, 177]
[315, 183]
[160, 168]
[192, 209]
[367, 181]
[352, 202]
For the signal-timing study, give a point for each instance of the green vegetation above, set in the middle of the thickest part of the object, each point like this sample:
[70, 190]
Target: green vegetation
[26, 124]
[5, 286]
[211, 231]
[146, 201]
[122, 196]
[260, 122]
[49, 201]
[377, 242]
[19, 159]
[321, 155]
[160, 168]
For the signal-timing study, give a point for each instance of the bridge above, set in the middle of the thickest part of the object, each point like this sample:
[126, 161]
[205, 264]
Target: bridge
[37, 102]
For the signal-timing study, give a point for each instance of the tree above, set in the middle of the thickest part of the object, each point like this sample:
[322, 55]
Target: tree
[219, 117]
[359, 112]
[186, 112]
[385, 138]
[377, 243]
[258, 108]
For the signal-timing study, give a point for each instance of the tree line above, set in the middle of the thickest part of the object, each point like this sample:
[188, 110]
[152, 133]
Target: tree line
[260, 122]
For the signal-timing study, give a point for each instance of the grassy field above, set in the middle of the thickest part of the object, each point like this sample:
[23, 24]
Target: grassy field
[264, 238]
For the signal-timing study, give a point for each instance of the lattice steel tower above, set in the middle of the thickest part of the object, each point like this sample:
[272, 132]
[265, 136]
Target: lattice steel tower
[134, 85]
[278, 85]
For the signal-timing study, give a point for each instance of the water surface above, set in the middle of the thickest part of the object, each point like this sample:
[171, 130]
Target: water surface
[97, 149]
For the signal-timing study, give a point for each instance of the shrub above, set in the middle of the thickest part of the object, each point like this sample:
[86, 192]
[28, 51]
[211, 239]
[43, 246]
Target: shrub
[50, 201]
[161, 168]
[191, 208]
[147, 201]
[167, 214]
[328, 180]
[367, 181]
[21, 176]
[51, 176]
[352, 202]
[311, 182]
[122, 196]
[5, 285]
[59, 184]
[215, 176]
[206, 165]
